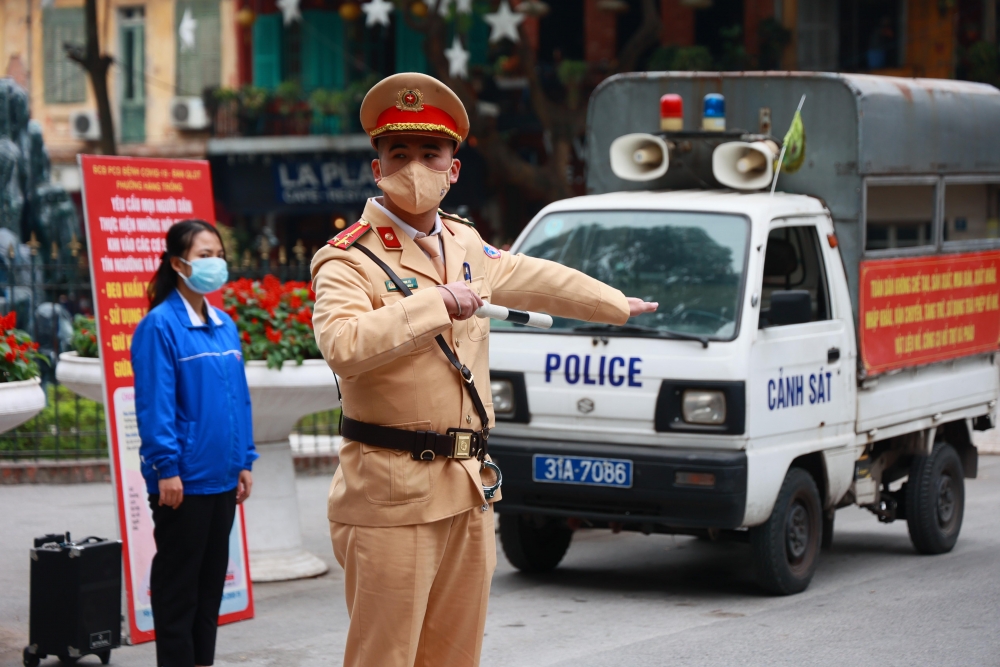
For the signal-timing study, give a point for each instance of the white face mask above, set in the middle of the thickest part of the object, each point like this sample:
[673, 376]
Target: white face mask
[416, 188]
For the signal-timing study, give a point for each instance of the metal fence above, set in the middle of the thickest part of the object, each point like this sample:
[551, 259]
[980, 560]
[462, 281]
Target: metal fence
[46, 293]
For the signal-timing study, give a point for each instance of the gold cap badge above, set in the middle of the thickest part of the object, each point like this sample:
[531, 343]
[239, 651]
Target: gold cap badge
[410, 99]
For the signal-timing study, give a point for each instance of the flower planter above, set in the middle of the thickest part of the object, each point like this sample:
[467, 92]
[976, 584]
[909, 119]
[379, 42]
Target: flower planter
[280, 399]
[19, 402]
[81, 375]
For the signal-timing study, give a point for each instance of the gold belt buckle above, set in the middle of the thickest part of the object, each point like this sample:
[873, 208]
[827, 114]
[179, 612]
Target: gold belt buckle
[462, 448]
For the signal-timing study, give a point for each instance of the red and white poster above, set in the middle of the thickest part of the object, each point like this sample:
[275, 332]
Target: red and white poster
[925, 309]
[129, 204]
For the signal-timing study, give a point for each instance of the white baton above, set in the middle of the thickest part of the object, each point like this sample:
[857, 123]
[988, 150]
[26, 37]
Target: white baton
[537, 320]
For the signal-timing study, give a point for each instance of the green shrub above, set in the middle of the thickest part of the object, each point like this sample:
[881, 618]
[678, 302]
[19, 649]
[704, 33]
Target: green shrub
[84, 341]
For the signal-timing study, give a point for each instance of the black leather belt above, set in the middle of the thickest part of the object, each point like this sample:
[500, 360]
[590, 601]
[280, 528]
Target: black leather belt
[457, 443]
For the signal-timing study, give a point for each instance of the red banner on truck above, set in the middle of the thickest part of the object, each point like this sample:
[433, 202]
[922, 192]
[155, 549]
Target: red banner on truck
[924, 309]
[129, 204]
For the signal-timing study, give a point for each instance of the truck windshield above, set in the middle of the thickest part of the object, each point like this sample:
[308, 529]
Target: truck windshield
[691, 263]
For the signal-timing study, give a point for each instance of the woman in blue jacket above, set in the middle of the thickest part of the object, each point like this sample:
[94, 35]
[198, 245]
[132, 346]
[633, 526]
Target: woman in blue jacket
[193, 407]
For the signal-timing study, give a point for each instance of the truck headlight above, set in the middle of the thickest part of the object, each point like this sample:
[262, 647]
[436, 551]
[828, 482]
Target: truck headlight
[503, 396]
[699, 406]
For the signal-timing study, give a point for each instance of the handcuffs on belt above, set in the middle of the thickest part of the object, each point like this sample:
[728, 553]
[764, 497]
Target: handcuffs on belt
[463, 450]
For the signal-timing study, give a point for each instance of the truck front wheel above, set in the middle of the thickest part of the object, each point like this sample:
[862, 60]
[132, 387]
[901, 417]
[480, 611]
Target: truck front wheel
[935, 500]
[786, 546]
[534, 543]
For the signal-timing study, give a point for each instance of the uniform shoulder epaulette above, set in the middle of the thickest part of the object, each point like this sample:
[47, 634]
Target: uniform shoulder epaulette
[350, 236]
[456, 218]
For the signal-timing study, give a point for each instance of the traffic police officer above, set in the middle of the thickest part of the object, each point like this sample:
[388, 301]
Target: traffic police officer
[410, 521]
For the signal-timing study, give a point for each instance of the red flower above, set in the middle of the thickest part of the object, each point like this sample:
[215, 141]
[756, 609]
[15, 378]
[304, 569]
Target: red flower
[8, 321]
[246, 337]
[305, 316]
[295, 302]
[11, 340]
[10, 357]
[273, 335]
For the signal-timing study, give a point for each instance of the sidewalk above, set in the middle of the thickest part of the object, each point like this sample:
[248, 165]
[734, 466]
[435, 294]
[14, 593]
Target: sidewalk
[305, 621]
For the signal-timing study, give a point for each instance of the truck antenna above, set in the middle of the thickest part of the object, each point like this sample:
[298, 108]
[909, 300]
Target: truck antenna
[784, 146]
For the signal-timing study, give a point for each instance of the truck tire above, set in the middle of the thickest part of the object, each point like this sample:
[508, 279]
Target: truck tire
[786, 546]
[935, 500]
[534, 543]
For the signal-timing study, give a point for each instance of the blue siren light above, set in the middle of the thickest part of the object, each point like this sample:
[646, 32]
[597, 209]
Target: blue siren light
[713, 116]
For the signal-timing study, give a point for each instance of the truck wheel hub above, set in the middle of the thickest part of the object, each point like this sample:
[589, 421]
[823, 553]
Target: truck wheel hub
[797, 539]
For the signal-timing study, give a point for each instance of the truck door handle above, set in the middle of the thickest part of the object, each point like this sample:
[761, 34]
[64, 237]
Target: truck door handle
[832, 355]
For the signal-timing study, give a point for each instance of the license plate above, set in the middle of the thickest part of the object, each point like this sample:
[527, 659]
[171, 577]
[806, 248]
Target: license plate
[582, 470]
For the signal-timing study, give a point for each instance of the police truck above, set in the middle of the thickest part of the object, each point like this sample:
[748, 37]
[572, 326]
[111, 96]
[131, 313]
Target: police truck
[828, 325]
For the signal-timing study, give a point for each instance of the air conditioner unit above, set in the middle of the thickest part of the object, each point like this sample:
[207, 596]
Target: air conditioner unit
[188, 113]
[84, 125]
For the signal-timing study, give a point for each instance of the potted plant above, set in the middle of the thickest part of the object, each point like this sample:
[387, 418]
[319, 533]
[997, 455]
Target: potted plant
[251, 102]
[79, 370]
[292, 113]
[327, 106]
[288, 380]
[21, 395]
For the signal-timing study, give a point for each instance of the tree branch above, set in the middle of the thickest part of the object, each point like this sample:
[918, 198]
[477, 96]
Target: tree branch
[645, 37]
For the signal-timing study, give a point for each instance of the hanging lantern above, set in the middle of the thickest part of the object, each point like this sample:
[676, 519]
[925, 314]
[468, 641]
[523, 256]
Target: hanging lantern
[533, 8]
[615, 6]
[245, 17]
[349, 11]
[418, 9]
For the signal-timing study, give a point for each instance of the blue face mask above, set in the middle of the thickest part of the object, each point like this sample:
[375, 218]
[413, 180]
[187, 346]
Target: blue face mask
[207, 274]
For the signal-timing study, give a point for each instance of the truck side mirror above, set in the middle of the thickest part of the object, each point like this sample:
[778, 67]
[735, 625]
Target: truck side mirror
[790, 307]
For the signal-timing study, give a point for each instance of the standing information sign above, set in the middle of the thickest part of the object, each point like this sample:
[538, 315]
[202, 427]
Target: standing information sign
[129, 204]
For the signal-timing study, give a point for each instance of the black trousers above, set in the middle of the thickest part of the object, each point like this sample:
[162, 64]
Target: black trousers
[188, 575]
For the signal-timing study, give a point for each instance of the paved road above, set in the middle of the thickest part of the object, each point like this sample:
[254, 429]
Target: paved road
[617, 599]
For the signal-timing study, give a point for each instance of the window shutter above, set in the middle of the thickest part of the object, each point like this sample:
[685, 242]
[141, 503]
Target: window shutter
[65, 81]
[409, 47]
[323, 48]
[200, 67]
[267, 51]
[477, 41]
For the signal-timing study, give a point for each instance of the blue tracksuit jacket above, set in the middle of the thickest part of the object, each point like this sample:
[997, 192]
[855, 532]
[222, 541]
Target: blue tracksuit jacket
[191, 399]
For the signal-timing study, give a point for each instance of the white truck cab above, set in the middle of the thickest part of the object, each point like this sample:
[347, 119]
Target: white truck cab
[763, 394]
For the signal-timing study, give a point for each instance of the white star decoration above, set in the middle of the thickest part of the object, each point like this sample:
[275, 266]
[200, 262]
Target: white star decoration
[377, 12]
[458, 60]
[186, 30]
[289, 11]
[503, 23]
[461, 7]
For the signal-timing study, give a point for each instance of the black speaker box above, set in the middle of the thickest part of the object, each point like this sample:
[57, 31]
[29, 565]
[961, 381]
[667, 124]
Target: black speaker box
[76, 597]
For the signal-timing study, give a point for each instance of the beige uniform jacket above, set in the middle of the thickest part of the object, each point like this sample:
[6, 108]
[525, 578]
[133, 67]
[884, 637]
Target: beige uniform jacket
[394, 374]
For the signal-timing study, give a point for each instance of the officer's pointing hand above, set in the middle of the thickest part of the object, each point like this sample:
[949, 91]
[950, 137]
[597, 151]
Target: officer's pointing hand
[640, 307]
[461, 300]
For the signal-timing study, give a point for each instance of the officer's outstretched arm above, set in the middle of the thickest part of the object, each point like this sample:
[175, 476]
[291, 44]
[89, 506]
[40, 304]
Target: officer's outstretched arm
[529, 283]
[352, 335]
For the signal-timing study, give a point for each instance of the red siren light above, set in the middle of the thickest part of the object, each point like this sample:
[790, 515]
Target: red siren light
[671, 113]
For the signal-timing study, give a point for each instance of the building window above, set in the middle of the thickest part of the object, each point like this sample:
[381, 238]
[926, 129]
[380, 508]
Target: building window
[65, 81]
[871, 34]
[899, 216]
[199, 66]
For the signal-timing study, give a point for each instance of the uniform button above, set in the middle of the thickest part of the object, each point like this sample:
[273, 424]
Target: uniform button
[468, 419]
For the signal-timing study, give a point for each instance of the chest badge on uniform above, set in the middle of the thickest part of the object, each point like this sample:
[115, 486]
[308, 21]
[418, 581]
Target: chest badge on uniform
[490, 251]
[409, 282]
[389, 237]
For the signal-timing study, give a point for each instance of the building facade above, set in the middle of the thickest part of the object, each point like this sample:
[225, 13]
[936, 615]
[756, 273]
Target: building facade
[269, 93]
